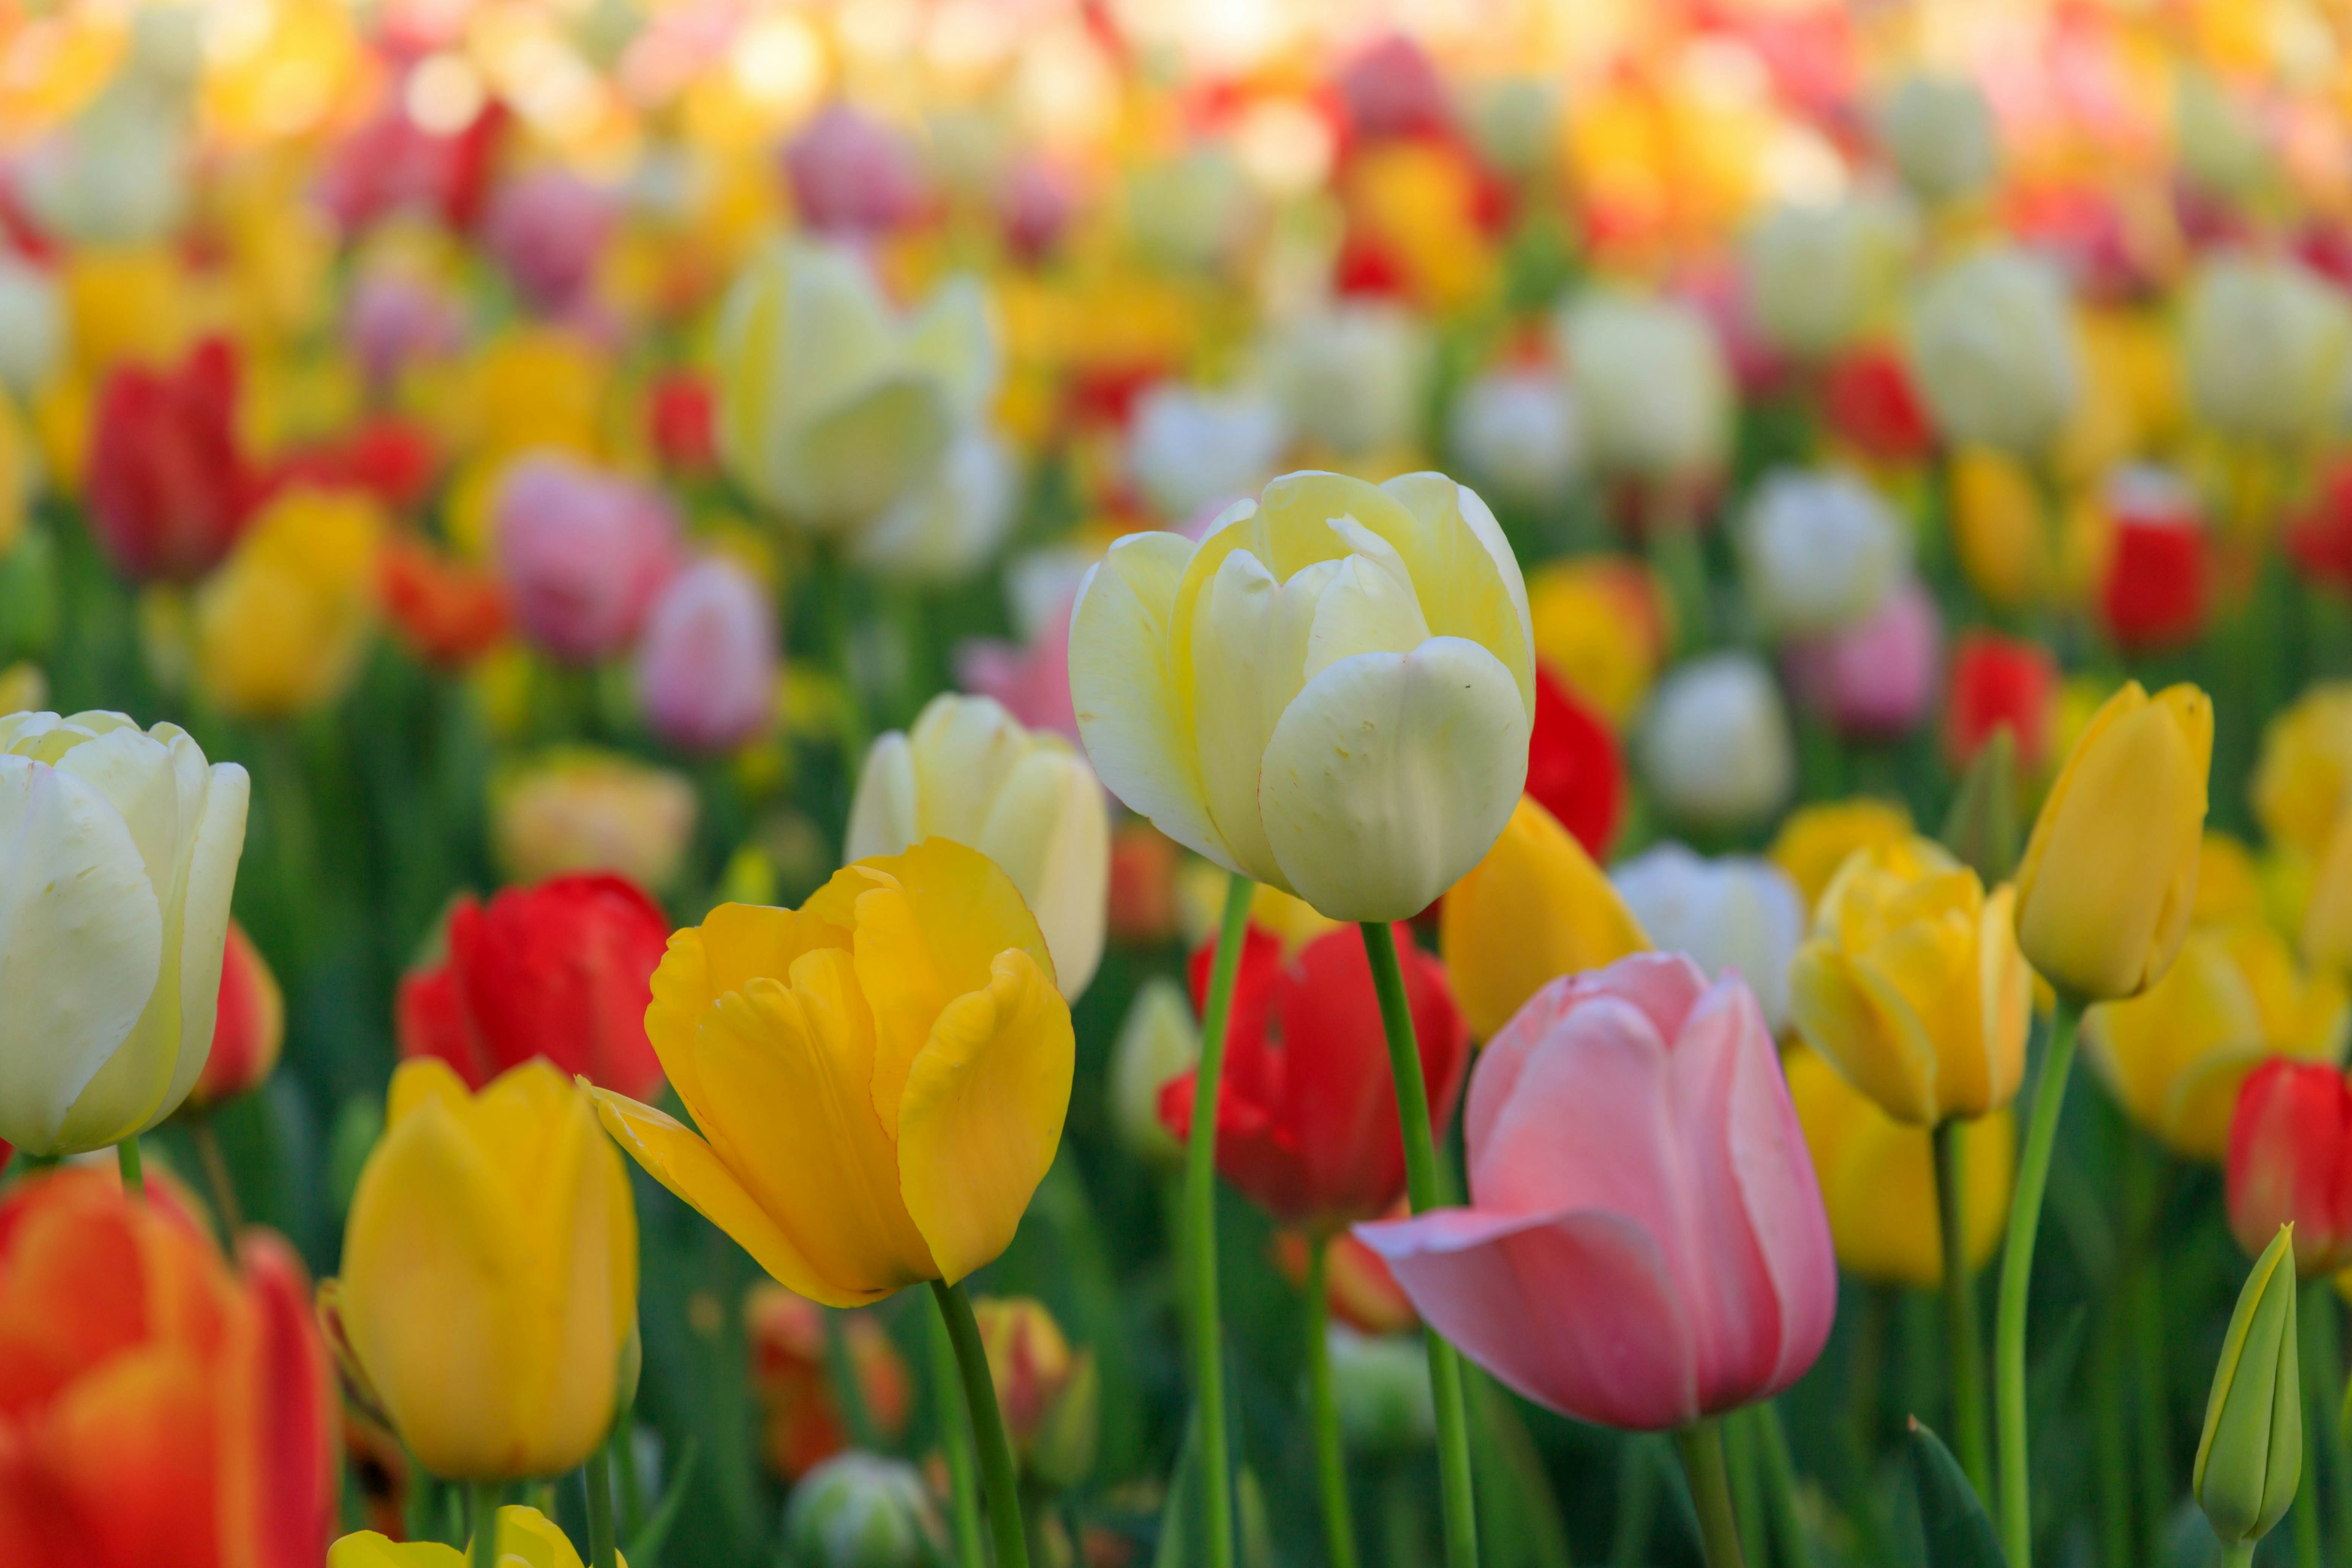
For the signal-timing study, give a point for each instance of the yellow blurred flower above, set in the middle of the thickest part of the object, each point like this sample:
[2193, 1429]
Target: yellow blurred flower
[527, 1539]
[2132, 404]
[1815, 840]
[24, 688]
[125, 305]
[489, 1281]
[2013, 550]
[530, 386]
[2300, 776]
[1600, 625]
[280, 627]
[2324, 930]
[575, 809]
[1417, 202]
[882, 1074]
[2228, 887]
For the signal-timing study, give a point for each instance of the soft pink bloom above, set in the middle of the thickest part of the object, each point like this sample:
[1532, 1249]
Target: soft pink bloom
[395, 320]
[583, 554]
[1032, 680]
[548, 228]
[1391, 88]
[707, 669]
[1878, 678]
[1035, 204]
[852, 176]
[1645, 1242]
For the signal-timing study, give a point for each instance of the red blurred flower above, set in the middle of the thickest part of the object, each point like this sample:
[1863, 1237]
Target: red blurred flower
[158, 1408]
[1999, 681]
[393, 165]
[803, 1426]
[682, 417]
[447, 612]
[248, 1027]
[1574, 768]
[1869, 401]
[2291, 1159]
[390, 458]
[1391, 88]
[1142, 907]
[563, 971]
[1358, 1286]
[2319, 537]
[169, 489]
[1306, 1121]
[2154, 593]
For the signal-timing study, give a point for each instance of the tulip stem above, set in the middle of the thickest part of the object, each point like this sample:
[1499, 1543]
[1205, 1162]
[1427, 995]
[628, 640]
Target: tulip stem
[134, 1177]
[1710, 1483]
[841, 1371]
[2016, 1279]
[1422, 1182]
[224, 1189]
[1960, 1310]
[1323, 1410]
[2240, 1555]
[988, 1426]
[1200, 1223]
[596, 1476]
[955, 1436]
[483, 1506]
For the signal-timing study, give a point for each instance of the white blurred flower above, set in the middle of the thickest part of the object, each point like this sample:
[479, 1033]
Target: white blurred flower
[948, 528]
[1733, 912]
[1818, 551]
[1517, 435]
[1994, 346]
[1819, 276]
[1938, 131]
[1714, 746]
[1159, 1041]
[32, 325]
[1191, 449]
[1352, 375]
[1652, 383]
[2265, 346]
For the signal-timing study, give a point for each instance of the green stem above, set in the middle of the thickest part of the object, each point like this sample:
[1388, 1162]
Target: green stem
[622, 1446]
[1966, 1346]
[2307, 1552]
[1710, 1484]
[134, 1177]
[483, 1500]
[2322, 1357]
[2144, 1180]
[1201, 1224]
[2016, 1278]
[988, 1426]
[841, 1371]
[1780, 1480]
[955, 1436]
[1323, 1410]
[216, 1163]
[2241, 1555]
[1422, 1186]
[596, 1476]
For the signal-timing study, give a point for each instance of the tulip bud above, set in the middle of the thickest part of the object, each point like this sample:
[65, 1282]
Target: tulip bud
[1819, 551]
[1651, 378]
[1873, 679]
[249, 1028]
[1158, 1042]
[1999, 684]
[1939, 131]
[547, 227]
[1715, 747]
[707, 667]
[2250, 1459]
[2303, 775]
[1732, 914]
[1994, 345]
[1380, 1386]
[1817, 277]
[281, 627]
[1982, 828]
[853, 176]
[579, 810]
[1353, 377]
[583, 554]
[860, 1511]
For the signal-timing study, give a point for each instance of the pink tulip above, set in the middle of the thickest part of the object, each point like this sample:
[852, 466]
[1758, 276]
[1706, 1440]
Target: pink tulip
[852, 176]
[1645, 1242]
[548, 228]
[1032, 680]
[1878, 678]
[394, 320]
[583, 554]
[707, 667]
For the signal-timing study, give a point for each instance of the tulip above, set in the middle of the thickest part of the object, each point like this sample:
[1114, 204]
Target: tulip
[446, 611]
[1192, 452]
[2266, 345]
[2303, 775]
[1535, 909]
[1872, 407]
[1049, 1392]
[1912, 986]
[1878, 1179]
[1159, 1041]
[1602, 625]
[2110, 874]
[1815, 840]
[1651, 382]
[1574, 766]
[707, 667]
[2176, 1055]
[1877, 678]
[32, 325]
[166, 1407]
[1307, 1112]
[1353, 377]
[946, 528]
[281, 627]
[489, 1298]
[1644, 1243]
[852, 176]
[532, 386]
[947, 1020]
[395, 320]
[2250, 1457]
[525, 1535]
[803, 1426]
[1715, 747]
[563, 971]
[1994, 347]
[1819, 551]
[1517, 435]
[117, 174]
[969, 773]
[1732, 914]
[1939, 130]
[1364, 767]
[121, 851]
[548, 228]
[248, 1026]
[2290, 1163]
[580, 810]
[583, 554]
[859, 1510]
[169, 487]
[1999, 683]
[1817, 277]
[2325, 933]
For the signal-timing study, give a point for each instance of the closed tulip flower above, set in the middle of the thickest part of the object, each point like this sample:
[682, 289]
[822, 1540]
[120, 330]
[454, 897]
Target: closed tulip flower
[548, 228]
[1819, 551]
[2303, 775]
[1644, 1243]
[281, 627]
[853, 176]
[1814, 842]
[170, 487]
[118, 850]
[248, 1026]
[707, 666]
[912, 995]
[1994, 345]
[1602, 625]
[1306, 1114]
[32, 325]
[1911, 984]
[1938, 129]
[1715, 747]
[2249, 1459]
[583, 554]
[2109, 876]
[525, 1536]
[2290, 1163]
[1354, 376]
[1518, 434]
[1729, 914]
[1024, 798]
[1331, 693]
[2265, 344]
[167, 1409]
[1651, 382]
[1817, 277]
[1878, 1178]
[1874, 679]
[2001, 683]
[487, 1296]
[2176, 1055]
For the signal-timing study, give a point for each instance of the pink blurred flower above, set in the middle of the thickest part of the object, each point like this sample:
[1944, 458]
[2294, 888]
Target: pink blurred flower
[582, 553]
[852, 176]
[548, 228]
[1391, 88]
[1644, 1243]
[394, 320]
[707, 666]
[1877, 677]
[1035, 206]
[1031, 679]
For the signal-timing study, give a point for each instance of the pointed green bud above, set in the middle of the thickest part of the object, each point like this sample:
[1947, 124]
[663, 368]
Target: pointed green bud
[1982, 827]
[2250, 1460]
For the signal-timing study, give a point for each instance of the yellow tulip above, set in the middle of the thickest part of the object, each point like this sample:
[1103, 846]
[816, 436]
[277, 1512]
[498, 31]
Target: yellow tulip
[1600, 625]
[490, 1279]
[881, 1075]
[527, 1539]
[2326, 924]
[2174, 1055]
[1535, 909]
[1815, 840]
[1911, 984]
[2303, 777]
[574, 809]
[280, 627]
[1878, 1178]
[2229, 885]
[2109, 878]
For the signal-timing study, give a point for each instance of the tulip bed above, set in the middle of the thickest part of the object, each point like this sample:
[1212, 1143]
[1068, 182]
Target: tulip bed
[892, 783]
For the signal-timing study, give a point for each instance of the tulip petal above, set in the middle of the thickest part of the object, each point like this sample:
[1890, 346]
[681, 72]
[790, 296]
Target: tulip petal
[1248, 646]
[367, 1548]
[118, 1449]
[1390, 775]
[1049, 828]
[882, 814]
[203, 924]
[282, 1484]
[1868, 1033]
[983, 1114]
[1465, 571]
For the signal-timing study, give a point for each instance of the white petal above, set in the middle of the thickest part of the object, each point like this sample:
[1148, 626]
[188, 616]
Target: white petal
[884, 814]
[951, 337]
[1249, 660]
[964, 747]
[1050, 829]
[203, 924]
[1369, 607]
[1464, 571]
[1391, 775]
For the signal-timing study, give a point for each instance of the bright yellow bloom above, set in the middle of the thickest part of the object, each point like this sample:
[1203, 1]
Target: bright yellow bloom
[2302, 777]
[126, 304]
[490, 1279]
[2228, 887]
[1815, 840]
[1535, 909]
[2012, 548]
[1912, 986]
[280, 627]
[2326, 929]
[529, 387]
[1878, 1178]
[1418, 201]
[2174, 1055]
[881, 1074]
[2109, 878]
[527, 1538]
[1599, 625]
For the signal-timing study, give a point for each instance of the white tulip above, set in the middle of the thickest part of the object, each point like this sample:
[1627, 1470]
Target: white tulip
[1517, 435]
[1817, 277]
[2265, 346]
[1939, 131]
[1158, 1042]
[1352, 375]
[32, 325]
[1819, 550]
[1714, 746]
[1731, 913]
[1994, 346]
[1024, 798]
[117, 851]
[1190, 449]
[1651, 382]
[946, 528]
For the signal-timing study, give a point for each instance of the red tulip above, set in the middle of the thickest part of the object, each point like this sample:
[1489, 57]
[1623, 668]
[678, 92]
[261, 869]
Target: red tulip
[804, 1425]
[1870, 402]
[2320, 537]
[1999, 682]
[564, 970]
[681, 414]
[169, 489]
[2154, 593]
[158, 1407]
[1306, 1120]
[2291, 1159]
[1574, 768]
[446, 611]
[249, 1026]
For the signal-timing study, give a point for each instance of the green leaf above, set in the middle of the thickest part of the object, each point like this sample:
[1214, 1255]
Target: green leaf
[1951, 1516]
[645, 1549]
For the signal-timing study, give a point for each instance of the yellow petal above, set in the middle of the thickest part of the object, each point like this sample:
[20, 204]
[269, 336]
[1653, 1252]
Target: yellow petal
[366, 1548]
[422, 1081]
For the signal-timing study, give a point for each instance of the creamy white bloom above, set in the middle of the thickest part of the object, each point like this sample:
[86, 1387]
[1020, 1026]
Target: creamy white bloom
[1818, 551]
[948, 526]
[1159, 1041]
[117, 851]
[1024, 798]
[1817, 277]
[1939, 131]
[32, 325]
[1191, 211]
[2219, 140]
[1994, 346]
[2265, 346]
[1191, 450]
[1352, 375]
[1714, 745]
[1732, 912]
[1513, 120]
[1517, 434]
[1651, 382]
[1332, 692]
